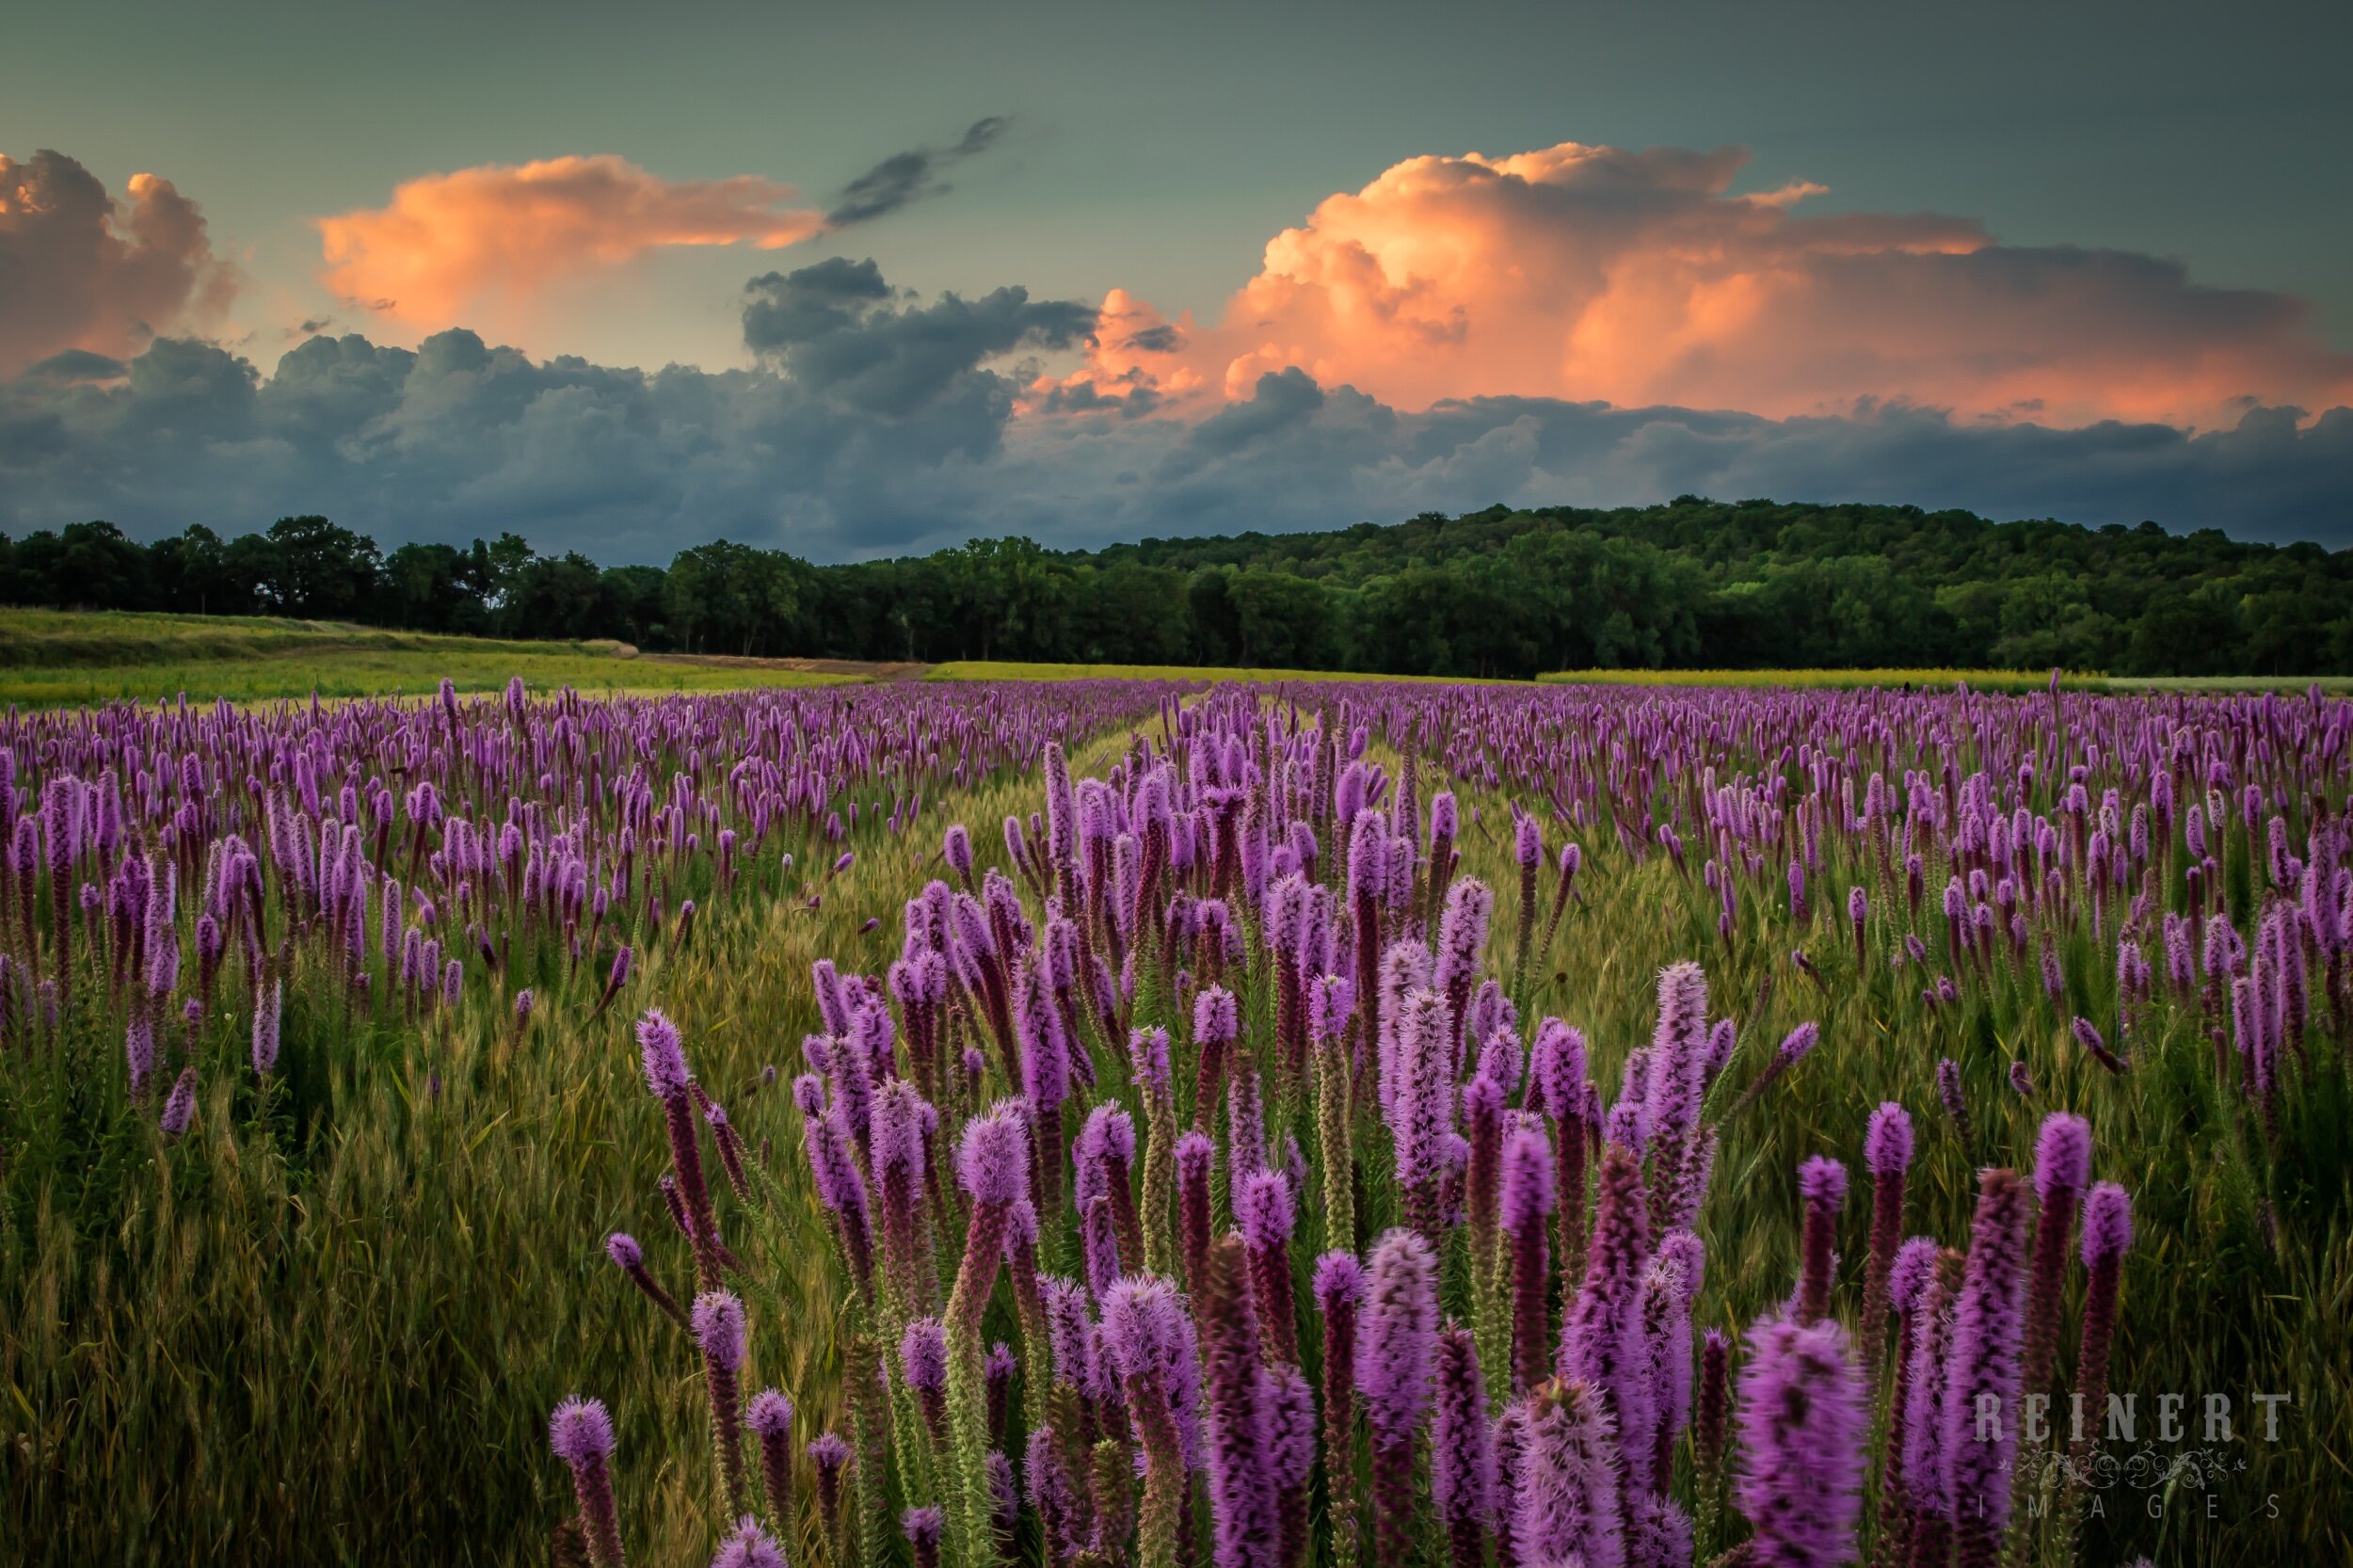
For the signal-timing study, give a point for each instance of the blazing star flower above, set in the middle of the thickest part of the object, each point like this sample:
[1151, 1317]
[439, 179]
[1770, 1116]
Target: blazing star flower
[580, 1433]
[1803, 1421]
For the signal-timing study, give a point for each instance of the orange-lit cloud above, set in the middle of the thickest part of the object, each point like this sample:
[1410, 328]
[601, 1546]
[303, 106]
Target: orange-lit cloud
[478, 241]
[1638, 279]
[82, 271]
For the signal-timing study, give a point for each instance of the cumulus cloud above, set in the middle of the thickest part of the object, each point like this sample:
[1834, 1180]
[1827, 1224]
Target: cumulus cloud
[877, 423]
[910, 176]
[1637, 277]
[82, 271]
[477, 242]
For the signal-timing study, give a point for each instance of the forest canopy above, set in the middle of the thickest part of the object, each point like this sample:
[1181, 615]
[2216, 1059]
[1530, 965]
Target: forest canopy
[1693, 583]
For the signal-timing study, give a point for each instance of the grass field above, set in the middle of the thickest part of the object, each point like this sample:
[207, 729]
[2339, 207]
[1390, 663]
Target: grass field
[54, 659]
[1000, 669]
[330, 1322]
[1979, 680]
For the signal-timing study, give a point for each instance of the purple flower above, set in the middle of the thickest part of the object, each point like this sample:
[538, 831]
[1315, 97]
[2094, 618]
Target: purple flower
[1915, 1261]
[2097, 1048]
[1289, 1409]
[1982, 1373]
[1195, 1154]
[1421, 1113]
[1462, 937]
[1399, 1335]
[749, 1548]
[2107, 1232]
[1556, 1070]
[1241, 1504]
[769, 1414]
[718, 1320]
[1265, 1211]
[1822, 1188]
[1678, 1056]
[1461, 1477]
[923, 1356]
[1340, 1282]
[1216, 1016]
[2062, 1169]
[180, 1107]
[664, 1058]
[2108, 1225]
[1099, 1238]
[1802, 1423]
[581, 1434]
[2062, 1159]
[1147, 1050]
[1600, 1333]
[1044, 1047]
[138, 1046]
[1887, 1143]
[1565, 1489]
[1948, 1091]
[923, 1527]
[992, 1158]
[1526, 1199]
[265, 1017]
[581, 1431]
[1526, 1194]
[1887, 1151]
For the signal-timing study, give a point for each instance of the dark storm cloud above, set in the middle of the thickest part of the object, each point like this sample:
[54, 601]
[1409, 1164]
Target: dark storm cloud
[840, 334]
[877, 422]
[909, 176]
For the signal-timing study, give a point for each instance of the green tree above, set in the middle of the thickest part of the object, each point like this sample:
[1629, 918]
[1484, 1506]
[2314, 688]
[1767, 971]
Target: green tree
[324, 571]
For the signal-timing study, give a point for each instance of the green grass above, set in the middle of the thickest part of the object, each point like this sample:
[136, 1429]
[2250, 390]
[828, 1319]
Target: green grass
[51, 659]
[1982, 681]
[999, 669]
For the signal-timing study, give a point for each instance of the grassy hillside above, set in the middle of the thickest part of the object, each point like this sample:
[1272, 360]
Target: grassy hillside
[51, 658]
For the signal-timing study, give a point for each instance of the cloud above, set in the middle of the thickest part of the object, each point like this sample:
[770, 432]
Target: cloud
[1553, 327]
[80, 270]
[874, 423]
[910, 176]
[843, 334]
[1634, 278]
[481, 241]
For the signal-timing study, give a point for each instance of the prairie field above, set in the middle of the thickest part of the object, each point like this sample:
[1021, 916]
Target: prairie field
[1155, 1117]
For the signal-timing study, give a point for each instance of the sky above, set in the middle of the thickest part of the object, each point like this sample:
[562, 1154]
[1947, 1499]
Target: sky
[887, 278]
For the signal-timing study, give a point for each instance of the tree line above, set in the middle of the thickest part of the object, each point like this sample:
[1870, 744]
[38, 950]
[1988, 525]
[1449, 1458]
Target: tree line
[1693, 583]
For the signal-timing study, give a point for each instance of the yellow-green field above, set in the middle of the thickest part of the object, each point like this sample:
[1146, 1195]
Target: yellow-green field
[51, 659]
[1981, 680]
[1001, 669]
